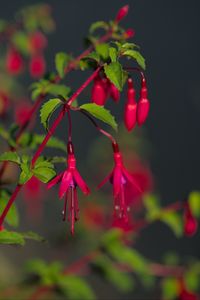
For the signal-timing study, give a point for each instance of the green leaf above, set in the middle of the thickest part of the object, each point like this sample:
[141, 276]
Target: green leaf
[30, 235]
[173, 220]
[128, 46]
[75, 288]
[114, 73]
[192, 277]
[94, 56]
[12, 217]
[194, 203]
[61, 61]
[98, 25]
[10, 156]
[21, 42]
[58, 90]
[151, 203]
[103, 50]
[100, 113]
[170, 288]
[26, 172]
[113, 53]
[137, 56]
[11, 238]
[44, 170]
[47, 109]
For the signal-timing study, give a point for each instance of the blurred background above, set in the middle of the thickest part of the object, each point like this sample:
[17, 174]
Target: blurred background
[168, 33]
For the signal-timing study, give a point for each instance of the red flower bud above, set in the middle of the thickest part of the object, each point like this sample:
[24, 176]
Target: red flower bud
[129, 33]
[37, 42]
[114, 92]
[14, 62]
[130, 107]
[22, 113]
[99, 93]
[37, 66]
[122, 13]
[190, 223]
[4, 102]
[143, 105]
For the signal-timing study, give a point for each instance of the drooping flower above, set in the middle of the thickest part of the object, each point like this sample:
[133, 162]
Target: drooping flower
[69, 180]
[14, 62]
[22, 113]
[123, 11]
[37, 66]
[120, 178]
[37, 42]
[99, 91]
[143, 105]
[129, 33]
[130, 107]
[114, 92]
[190, 222]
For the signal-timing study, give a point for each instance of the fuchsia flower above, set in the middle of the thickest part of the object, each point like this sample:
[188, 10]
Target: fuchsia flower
[130, 112]
[120, 177]
[37, 41]
[143, 104]
[122, 13]
[37, 66]
[22, 113]
[70, 179]
[99, 91]
[190, 222]
[14, 62]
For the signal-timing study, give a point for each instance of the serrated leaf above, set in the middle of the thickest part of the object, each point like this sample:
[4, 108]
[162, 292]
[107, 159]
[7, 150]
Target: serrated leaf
[170, 288]
[75, 288]
[98, 25]
[10, 156]
[113, 53]
[114, 72]
[194, 203]
[61, 61]
[11, 238]
[12, 217]
[100, 113]
[58, 90]
[44, 170]
[47, 109]
[137, 56]
[103, 50]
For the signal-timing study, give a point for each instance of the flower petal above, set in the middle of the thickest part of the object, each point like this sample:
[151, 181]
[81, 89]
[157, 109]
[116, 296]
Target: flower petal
[117, 181]
[130, 178]
[66, 181]
[80, 182]
[54, 180]
[105, 180]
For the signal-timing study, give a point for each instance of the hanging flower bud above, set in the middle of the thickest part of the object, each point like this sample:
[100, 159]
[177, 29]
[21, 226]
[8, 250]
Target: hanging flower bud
[114, 92]
[14, 62]
[129, 33]
[143, 105]
[22, 113]
[37, 66]
[99, 94]
[4, 102]
[130, 107]
[122, 13]
[37, 42]
[190, 222]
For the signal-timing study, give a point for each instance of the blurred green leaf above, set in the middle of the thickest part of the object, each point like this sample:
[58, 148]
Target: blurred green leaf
[11, 238]
[170, 289]
[98, 25]
[114, 73]
[103, 50]
[10, 156]
[100, 113]
[47, 110]
[12, 217]
[194, 203]
[174, 221]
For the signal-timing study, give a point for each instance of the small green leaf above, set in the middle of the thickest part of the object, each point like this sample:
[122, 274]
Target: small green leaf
[44, 170]
[102, 50]
[61, 61]
[114, 73]
[94, 56]
[12, 217]
[194, 203]
[26, 172]
[47, 109]
[170, 288]
[21, 42]
[137, 56]
[11, 238]
[58, 90]
[30, 235]
[10, 156]
[98, 25]
[173, 220]
[100, 113]
[113, 53]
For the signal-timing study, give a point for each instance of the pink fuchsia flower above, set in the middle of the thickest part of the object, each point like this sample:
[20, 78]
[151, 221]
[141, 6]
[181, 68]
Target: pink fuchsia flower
[190, 222]
[22, 113]
[69, 180]
[14, 62]
[37, 66]
[123, 11]
[37, 42]
[120, 178]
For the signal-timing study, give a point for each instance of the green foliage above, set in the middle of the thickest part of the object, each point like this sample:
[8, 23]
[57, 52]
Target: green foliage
[43, 170]
[103, 51]
[12, 217]
[137, 56]
[98, 25]
[174, 221]
[194, 203]
[61, 61]
[44, 87]
[113, 53]
[21, 42]
[170, 289]
[26, 172]
[47, 110]
[192, 277]
[18, 238]
[114, 73]
[10, 156]
[100, 113]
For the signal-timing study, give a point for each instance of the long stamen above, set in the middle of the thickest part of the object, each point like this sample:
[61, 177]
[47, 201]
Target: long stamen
[76, 205]
[65, 207]
[72, 210]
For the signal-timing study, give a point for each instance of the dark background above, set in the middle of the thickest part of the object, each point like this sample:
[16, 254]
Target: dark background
[168, 33]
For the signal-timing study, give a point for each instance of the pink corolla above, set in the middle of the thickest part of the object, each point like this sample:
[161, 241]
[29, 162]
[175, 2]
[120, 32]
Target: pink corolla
[120, 178]
[69, 180]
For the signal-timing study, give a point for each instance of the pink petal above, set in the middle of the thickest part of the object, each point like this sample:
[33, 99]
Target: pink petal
[66, 181]
[131, 179]
[105, 180]
[54, 180]
[80, 182]
[117, 181]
